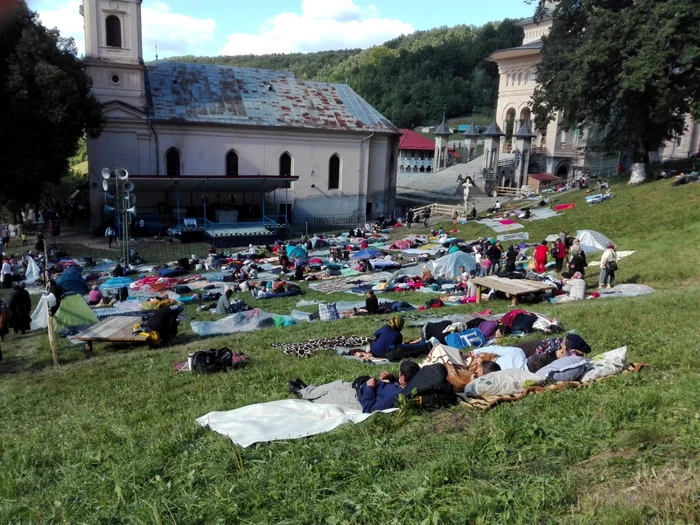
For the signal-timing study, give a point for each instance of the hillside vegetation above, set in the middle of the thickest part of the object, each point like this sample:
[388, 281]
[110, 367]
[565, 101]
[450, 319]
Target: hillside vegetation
[408, 79]
[112, 439]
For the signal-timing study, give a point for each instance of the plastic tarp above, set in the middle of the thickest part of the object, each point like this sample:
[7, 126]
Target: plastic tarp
[366, 254]
[32, 274]
[240, 322]
[626, 290]
[71, 281]
[592, 241]
[280, 420]
[73, 312]
[40, 316]
[449, 264]
[116, 283]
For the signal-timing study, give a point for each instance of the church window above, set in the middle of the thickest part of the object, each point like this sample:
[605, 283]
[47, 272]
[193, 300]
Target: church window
[172, 162]
[285, 165]
[232, 164]
[114, 31]
[520, 78]
[507, 79]
[334, 172]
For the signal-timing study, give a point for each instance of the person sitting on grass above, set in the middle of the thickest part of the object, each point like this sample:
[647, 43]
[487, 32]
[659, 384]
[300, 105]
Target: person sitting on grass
[95, 296]
[222, 306]
[387, 336]
[371, 305]
[366, 393]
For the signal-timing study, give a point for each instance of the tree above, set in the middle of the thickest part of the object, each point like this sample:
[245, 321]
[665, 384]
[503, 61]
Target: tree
[45, 107]
[633, 65]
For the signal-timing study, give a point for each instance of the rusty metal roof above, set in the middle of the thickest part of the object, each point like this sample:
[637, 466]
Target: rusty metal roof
[206, 93]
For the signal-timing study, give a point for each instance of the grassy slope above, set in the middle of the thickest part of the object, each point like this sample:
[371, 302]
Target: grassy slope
[112, 439]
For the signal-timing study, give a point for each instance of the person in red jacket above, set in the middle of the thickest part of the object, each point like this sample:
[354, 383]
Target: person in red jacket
[561, 254]
[541, 257]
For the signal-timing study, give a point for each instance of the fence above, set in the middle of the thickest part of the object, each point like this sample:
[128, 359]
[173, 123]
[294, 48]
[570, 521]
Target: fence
[326, 223]
[151, 252]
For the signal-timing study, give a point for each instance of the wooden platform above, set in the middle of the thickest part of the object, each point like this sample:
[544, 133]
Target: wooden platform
[117, 329]
[512, 287]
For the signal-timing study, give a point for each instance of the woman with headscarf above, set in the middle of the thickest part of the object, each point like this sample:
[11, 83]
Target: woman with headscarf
[511, 256]
[20, 307]
[608, 266]
[576, 287]
[387, 336]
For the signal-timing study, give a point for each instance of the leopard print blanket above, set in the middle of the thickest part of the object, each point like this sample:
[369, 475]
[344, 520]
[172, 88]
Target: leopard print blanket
[310, 347]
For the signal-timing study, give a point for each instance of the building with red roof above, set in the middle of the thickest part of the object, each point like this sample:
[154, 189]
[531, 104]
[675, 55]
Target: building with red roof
[416, 152]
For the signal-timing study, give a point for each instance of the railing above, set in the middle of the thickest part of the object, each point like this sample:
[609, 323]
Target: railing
[440, 209]
[506, 191]
[326, 223]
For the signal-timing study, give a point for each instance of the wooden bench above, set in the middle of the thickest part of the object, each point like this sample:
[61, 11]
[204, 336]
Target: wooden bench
[116, 329]
[512, 287]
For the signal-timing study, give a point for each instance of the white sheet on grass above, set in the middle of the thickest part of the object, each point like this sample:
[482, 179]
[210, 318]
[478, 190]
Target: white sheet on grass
[39, 316]
[32, 274]
[626, 290]
[280, 420]
[240, 322]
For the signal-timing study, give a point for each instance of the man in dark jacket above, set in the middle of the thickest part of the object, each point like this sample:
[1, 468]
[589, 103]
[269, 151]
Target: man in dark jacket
[20, 307]
[371, 396]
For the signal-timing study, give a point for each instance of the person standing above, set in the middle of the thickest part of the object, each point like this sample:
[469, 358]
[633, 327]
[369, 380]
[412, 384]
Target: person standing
[409, 218]
[426, 216]
[6, 273]
[5, 234]
[473, 211]
[511, 256]
[494, 254]
[560, 249]
[110, 234]
[540, 257]
[20, 306]
[608, 266]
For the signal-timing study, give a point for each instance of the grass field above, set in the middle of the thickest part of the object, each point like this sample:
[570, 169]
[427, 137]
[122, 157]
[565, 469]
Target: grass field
[112, 438]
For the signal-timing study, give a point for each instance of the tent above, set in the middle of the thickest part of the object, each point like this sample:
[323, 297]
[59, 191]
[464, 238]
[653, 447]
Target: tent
[71, 281]
[296, 251]
[449, 264]
[73, 312]
[592, 241]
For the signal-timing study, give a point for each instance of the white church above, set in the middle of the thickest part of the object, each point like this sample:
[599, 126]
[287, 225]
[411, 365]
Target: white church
[215, 147]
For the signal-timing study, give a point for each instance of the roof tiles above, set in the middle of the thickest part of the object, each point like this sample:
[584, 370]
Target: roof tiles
[205, 93]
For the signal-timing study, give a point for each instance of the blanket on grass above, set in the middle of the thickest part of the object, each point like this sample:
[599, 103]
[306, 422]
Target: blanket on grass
[489, 402]
[310, 347]
[280, 420]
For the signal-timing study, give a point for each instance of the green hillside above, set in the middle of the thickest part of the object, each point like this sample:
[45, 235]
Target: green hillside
[112, 439]
[411, 78]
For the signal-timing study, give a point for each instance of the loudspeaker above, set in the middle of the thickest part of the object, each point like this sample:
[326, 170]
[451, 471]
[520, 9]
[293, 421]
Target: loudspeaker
[128, 186]
[105, 173]
[122, 174]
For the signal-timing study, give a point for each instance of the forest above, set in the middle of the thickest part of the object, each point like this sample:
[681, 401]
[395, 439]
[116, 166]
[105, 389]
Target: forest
[408, 79]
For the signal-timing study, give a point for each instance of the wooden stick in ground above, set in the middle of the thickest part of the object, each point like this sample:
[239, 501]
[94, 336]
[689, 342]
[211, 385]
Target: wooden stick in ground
[49, 319]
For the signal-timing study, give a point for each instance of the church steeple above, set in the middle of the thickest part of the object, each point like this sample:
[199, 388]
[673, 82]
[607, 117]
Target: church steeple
[114, 50]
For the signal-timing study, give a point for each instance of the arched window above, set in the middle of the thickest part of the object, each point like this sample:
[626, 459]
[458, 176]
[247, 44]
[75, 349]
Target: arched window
[507, 79]
[113, 28]
[520, 78]
[531, 78]
[334, 172]
[172, 163]
[285, 165]
[232, 164]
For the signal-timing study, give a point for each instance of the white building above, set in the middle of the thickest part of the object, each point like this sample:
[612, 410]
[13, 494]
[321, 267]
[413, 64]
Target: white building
[559, 151]
[200, 139]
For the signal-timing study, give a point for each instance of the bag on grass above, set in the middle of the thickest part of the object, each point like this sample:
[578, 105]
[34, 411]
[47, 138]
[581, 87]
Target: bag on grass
[212, 361]
[611, 266]
[432, 388]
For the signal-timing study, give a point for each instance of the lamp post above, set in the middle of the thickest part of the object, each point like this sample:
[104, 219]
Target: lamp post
[124, 205]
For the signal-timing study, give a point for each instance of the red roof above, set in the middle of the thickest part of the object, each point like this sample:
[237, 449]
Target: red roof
[410, 140]
[544, 177]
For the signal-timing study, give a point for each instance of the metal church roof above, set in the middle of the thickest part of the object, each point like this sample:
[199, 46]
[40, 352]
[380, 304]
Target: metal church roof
[213, 94]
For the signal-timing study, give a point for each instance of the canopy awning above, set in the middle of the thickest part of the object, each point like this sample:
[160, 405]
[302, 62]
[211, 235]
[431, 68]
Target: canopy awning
[185, 183]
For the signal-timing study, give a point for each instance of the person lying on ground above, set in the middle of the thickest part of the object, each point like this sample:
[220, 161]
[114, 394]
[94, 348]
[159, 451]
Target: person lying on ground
[507, 357]
[387, 336]
[366, 393]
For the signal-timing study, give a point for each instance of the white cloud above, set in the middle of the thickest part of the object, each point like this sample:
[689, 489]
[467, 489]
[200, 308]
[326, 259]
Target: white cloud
[323, 24]
[176, 34]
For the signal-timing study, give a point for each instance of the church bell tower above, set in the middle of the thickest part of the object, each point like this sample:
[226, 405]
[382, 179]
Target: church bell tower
[114, 51]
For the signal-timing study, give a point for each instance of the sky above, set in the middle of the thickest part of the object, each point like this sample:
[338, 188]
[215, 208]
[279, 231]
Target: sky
[238, 27]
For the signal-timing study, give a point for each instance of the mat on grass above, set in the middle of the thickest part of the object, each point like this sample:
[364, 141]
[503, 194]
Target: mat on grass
[489, 402]
[280, 420]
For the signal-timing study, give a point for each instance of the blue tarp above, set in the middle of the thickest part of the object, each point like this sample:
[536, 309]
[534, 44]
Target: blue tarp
[71, 281]
[367, 254]
[295, 251]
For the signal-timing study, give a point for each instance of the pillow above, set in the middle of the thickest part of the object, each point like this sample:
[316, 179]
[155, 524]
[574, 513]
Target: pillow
[503, 383]
[606, 364]
[328, 312]
[564, 369]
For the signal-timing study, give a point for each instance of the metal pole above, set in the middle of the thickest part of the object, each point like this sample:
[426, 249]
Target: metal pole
[177, 186]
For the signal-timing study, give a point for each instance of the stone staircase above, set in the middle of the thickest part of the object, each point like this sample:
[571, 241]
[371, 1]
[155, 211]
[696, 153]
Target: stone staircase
[444, 187]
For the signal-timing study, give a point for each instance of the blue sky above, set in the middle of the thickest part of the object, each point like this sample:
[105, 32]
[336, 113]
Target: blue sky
[214, 27]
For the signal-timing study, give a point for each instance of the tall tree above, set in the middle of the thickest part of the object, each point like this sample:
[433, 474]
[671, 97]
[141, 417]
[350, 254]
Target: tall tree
[633, 65]
[45, 106]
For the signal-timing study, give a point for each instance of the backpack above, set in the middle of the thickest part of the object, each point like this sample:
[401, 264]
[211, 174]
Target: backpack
[212, 361]
[554, 252]
[432, 389]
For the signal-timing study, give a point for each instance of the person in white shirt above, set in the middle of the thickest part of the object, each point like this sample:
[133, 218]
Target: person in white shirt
[608, 266]
[6, 274]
